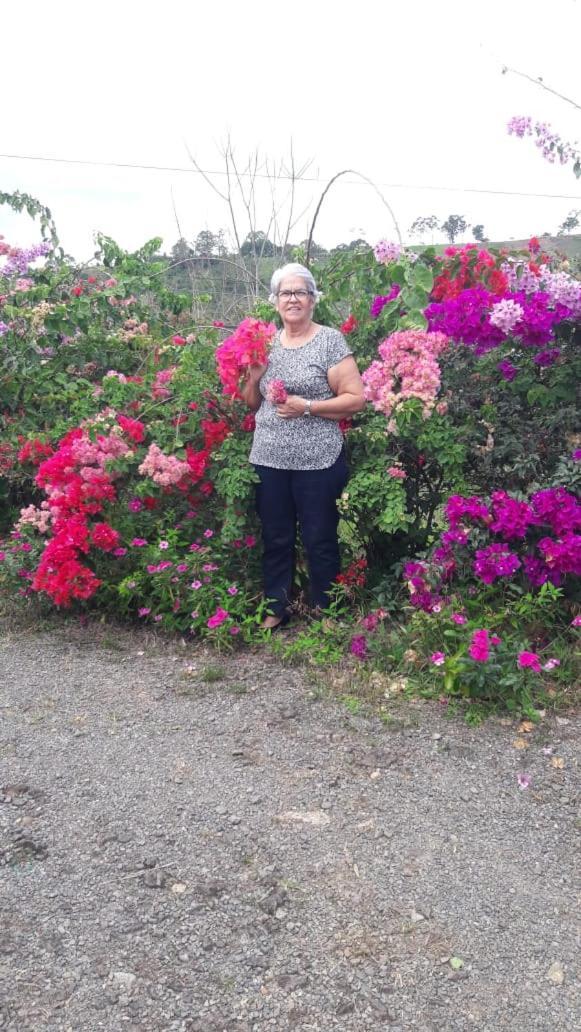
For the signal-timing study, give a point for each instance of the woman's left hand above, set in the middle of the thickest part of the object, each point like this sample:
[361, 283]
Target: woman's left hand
[292, 408]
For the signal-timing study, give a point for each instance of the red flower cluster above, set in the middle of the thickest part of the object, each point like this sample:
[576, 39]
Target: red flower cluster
[34, 451]
[133, 428]
[77, 482]
[464, 267]
[350, 325]
[247, 346]
[354, 576]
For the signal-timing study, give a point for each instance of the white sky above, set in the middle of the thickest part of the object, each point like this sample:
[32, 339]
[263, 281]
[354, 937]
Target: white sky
[406, 93]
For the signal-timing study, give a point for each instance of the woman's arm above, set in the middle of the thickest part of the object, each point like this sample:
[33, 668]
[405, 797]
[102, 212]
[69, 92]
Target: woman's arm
[347, 386]
[250, 389]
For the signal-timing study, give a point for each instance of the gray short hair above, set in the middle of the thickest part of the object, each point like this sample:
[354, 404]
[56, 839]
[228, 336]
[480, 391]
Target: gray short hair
[292, 269]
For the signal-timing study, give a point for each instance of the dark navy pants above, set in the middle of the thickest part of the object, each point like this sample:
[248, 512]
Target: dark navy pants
[307, 497]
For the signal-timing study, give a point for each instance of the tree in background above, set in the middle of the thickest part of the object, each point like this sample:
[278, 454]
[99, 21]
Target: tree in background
[573, 221]
[478, 233]
[454, 226]
[424, 224]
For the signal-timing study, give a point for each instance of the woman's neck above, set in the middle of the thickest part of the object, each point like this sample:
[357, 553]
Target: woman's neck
[296, 334]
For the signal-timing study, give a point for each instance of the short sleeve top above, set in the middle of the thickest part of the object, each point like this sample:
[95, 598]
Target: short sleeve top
[307, 442]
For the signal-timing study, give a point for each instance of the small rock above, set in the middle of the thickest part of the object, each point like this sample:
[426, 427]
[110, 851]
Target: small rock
[234, 819]
[556, 973]
[344, 1008]
[154, 879]
[123, 980]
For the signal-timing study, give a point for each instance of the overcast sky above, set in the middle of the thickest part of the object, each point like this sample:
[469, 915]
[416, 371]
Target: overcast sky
[408, 94]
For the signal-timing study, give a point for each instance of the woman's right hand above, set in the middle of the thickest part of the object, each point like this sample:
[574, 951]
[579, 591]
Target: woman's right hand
[255, 373]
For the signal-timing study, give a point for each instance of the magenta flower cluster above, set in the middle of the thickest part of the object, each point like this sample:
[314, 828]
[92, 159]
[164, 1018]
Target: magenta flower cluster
[379, 303]
[540, 539]
[483, 320]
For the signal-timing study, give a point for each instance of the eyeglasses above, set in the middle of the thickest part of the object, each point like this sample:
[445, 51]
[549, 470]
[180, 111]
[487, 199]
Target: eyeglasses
[300, 295]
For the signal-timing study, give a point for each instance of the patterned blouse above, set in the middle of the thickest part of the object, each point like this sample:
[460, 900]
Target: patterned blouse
[306, 442]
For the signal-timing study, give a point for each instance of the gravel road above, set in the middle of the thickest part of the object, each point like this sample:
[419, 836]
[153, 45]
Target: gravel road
[205, 844]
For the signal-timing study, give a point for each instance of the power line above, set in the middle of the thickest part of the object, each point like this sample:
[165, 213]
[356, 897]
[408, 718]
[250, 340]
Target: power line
[264, 175]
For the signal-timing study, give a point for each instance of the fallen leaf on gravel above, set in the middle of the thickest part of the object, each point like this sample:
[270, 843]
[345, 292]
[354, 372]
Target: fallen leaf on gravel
[556, 973]
[520, 743]
[456, 963]
[375, 774]
[524, 780]
[558, 762]
[526, 726]
[314, 817]
[178, 887]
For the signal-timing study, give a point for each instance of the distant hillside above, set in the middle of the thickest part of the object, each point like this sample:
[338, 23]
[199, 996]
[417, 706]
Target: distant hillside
[569, 245]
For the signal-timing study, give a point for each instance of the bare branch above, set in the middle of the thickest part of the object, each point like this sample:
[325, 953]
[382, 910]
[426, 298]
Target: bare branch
[539, 82]
[353, 172]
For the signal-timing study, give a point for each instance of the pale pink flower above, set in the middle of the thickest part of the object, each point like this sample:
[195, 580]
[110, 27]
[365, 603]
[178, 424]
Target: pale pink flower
[397, 472]
[196, 585]
[551, 664]
[163, 545]
[208, 533]
[524, 780]
[144, 611]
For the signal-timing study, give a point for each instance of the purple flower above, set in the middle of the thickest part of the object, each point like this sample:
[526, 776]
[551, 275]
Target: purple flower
[135, 504]
[576, 455]
[507, 370]
[547, 357]
[437, 658]
[379, 303]
[495, 561]
[358, 646]
[4, 328]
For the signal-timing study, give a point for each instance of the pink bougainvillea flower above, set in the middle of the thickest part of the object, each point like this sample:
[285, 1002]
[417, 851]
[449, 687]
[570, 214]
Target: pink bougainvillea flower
[397, 472]
[144, 611]
[524, 780]
[459, 618]
[250, 541]
[479, 646]
[182, 567]
[208, 533]
[437, 658]
[232, 590]
[276, 392]
[158, 617]
[218, 617]
[135, 504]
[234, 630]
[529, 659]
[576, 621]
[178, 341]
[139, 542]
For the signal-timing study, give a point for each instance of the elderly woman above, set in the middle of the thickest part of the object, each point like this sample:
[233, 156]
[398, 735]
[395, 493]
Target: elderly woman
[298, 448]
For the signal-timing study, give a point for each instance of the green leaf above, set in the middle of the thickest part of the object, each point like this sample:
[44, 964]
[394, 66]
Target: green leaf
[414, 320]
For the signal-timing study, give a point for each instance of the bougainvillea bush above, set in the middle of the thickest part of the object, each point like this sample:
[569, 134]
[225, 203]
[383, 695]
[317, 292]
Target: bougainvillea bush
[124, 451]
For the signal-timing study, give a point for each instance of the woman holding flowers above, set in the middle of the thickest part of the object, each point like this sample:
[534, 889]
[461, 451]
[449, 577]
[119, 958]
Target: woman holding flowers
[309, 383]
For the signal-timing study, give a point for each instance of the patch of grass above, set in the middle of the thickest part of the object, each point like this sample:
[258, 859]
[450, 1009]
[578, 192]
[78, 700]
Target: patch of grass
[212, 673]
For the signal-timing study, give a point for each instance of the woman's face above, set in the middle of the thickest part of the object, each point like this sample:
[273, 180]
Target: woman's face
[294, 302]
